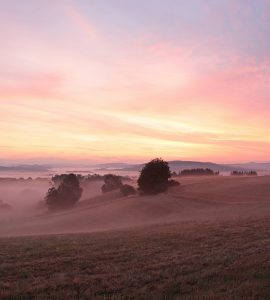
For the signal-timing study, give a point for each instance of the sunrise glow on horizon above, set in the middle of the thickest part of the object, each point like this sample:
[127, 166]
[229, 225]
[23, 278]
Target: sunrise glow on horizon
[126, 80]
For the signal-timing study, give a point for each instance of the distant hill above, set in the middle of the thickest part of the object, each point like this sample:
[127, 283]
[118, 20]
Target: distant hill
[24, 168]
[180, 165]
[253, 166]
[114, 166]
[177, 165]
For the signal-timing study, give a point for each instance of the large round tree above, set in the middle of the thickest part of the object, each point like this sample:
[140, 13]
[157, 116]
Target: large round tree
[154, 177]
[66, 194]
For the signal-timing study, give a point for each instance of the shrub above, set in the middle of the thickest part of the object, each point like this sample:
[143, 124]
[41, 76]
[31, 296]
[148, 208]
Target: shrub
[173, 182]
[4, 206]
[127, 190]
[111, 183]
[65, 195]
[154, 177]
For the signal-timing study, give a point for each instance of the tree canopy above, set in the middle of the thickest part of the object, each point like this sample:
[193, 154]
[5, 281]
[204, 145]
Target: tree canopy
[65, 195]
[154, 177]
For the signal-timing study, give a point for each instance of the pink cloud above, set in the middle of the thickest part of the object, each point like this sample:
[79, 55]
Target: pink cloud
[31, 84]
[77, 18]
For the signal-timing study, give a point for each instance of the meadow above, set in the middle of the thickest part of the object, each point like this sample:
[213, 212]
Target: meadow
[209, 238]
[228, 260]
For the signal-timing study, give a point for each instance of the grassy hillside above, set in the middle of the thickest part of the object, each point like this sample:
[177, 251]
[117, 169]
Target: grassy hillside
[229, 260]
[196, 200]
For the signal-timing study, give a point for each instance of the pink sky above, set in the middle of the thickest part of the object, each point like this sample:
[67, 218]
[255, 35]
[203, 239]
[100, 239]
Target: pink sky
[128, 80]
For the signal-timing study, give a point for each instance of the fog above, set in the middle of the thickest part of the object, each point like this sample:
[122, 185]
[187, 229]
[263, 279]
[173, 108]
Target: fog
[25, 195]
[197, 199]
[23, 200]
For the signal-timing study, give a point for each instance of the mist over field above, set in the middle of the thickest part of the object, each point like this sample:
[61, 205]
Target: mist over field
[26, 196]
[203, 198]
[208, 227]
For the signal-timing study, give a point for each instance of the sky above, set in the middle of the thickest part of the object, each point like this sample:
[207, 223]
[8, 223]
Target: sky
[130, 80]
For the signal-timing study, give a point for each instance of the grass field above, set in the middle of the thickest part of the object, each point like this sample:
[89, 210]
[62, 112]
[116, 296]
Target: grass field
[197, 199]
[228, 260]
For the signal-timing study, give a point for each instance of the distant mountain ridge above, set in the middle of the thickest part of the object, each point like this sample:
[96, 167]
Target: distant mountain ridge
[175, 165]
[178, 165]
[255, 166]
[112, 166]
[24, 168]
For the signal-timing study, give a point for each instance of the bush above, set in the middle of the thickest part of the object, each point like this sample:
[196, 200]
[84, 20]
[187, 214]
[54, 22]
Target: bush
[154, 177]
[4, 206]
[112, 182]
[65, 195]
[172, 183]
[127, 190]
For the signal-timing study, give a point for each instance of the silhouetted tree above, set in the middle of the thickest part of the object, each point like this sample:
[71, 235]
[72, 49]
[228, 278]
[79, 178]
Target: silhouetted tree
[111, 182]
[244, 173]
[65, 195]
[58, 179]
[154, 177]
[198, 172]
[127, 190]
[173, 182]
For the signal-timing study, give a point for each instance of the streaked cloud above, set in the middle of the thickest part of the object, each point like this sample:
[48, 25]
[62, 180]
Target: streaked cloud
[126, 80]
[77, 17]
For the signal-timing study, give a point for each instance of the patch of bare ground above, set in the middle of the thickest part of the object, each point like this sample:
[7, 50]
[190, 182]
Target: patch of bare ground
[221, 260]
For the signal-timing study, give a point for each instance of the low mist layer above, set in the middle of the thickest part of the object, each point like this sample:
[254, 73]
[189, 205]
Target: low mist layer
[195, 200]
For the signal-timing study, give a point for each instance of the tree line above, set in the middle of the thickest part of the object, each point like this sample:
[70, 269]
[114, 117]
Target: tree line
[244, 173]
[198, 172]
[67, 189]
[154, 178]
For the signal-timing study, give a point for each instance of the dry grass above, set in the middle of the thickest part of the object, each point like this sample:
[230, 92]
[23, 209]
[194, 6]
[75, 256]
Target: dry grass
[229, 260]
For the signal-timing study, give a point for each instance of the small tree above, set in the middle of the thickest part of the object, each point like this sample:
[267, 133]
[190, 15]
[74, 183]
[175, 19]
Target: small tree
[127, 190]
[172, 183]
[111, 183]
[65, 195]
[154, 177]
[4, 206]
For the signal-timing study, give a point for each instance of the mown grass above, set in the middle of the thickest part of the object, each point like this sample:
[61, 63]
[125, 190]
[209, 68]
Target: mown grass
[188, 261]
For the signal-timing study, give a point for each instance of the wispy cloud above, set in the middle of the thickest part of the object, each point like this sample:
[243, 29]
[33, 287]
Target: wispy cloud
[79, 19]
[94, 79]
